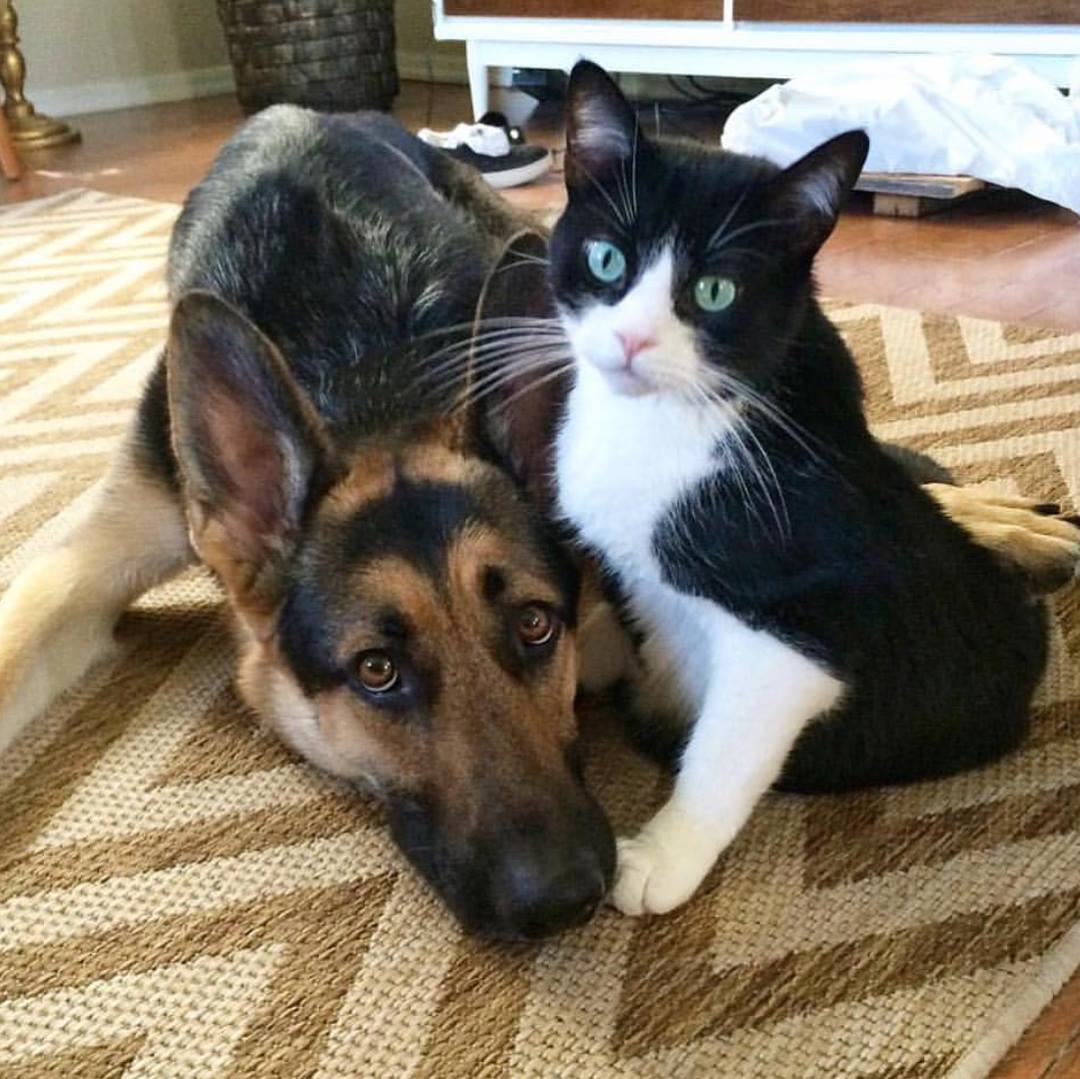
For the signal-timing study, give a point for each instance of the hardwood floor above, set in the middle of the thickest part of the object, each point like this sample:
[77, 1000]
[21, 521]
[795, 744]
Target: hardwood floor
[1006, 257]
[1051, 1047]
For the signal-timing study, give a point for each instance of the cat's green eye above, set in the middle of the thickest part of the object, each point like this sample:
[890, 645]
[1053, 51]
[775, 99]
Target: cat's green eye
[606, 262]
[712, 293]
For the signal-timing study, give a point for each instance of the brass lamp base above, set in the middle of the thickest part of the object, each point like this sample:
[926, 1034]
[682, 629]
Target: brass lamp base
[32, 130]
[29, 128]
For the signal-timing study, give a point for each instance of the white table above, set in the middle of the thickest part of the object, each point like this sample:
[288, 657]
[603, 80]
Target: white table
[737, 49]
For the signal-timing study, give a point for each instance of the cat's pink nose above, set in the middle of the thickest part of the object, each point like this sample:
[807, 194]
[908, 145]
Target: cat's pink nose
[633, 344]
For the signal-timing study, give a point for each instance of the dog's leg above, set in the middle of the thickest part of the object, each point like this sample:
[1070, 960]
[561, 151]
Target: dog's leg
[605, 652]
[496, 216]
[1031, 536]
[56, 619]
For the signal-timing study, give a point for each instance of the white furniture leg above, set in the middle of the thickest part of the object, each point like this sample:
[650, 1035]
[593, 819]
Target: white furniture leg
[478, 78]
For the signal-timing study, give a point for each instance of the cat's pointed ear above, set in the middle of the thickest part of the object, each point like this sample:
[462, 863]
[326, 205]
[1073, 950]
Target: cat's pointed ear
[601, 125]
[517, 417]
[809, 194]
[249, 445]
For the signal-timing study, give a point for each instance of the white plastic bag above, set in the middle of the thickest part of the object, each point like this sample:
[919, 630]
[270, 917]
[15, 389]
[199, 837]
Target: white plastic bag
[982, 116]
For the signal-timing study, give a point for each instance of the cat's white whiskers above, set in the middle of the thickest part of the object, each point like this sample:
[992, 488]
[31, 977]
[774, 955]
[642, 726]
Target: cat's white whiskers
[769, 483]
[729, 427]
[492, 381]
[479, 326]
[716, 246]
[465, 341]
[761, 469]
[458, 367]
[507, 371]
[736, 428]
[462, 351]
[475, 396]
[623, 223]
[522, 257]
[472, 366]
[719, 231]
[542, 381]
[769, 410]
[628, 184]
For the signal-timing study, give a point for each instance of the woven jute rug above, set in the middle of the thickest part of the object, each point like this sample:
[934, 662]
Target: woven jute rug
[179, 897]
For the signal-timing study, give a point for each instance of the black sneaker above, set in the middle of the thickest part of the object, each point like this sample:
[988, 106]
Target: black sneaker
[498, 119]
[489, 150]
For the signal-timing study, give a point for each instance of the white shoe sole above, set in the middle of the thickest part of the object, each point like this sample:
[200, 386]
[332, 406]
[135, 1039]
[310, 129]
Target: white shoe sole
[521, 175]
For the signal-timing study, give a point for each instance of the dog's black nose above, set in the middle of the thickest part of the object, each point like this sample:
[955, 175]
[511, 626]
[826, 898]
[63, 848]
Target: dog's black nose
[538, 897]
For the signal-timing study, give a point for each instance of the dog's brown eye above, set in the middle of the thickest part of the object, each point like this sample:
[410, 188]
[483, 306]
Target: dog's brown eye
[535, 625]
[377, 672]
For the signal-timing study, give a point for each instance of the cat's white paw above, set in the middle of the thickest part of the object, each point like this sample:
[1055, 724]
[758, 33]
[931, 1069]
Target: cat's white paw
[653, 876]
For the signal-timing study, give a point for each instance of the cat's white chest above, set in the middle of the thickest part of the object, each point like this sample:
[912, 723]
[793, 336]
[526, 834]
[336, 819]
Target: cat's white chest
[622, 463]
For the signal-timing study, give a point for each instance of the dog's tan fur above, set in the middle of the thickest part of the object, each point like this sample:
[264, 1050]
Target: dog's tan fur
[56, 619]
[451, 758]
[1045, 547]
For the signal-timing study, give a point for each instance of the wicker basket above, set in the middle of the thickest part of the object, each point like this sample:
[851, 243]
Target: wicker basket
[336, 55]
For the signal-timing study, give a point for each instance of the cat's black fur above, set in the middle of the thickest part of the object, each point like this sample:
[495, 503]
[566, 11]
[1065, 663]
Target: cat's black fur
[939, 644]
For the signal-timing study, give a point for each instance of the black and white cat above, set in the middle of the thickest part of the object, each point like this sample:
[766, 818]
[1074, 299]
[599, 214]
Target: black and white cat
[811, 618]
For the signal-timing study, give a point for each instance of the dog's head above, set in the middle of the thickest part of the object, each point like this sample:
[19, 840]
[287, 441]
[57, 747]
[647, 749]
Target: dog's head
[407, 620]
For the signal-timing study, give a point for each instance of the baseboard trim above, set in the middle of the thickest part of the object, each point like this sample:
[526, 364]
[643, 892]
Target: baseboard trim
[127, 93]
[421, 65]
[434, 66]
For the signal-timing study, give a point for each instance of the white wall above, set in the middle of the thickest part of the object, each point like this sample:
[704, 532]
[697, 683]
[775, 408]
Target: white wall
[86, 55]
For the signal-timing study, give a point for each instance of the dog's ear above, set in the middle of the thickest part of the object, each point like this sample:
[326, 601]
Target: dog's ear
[518, 386]
[250, 447]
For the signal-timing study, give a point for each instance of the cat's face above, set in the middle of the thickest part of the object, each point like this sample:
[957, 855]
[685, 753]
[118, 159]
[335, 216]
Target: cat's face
[680, 269]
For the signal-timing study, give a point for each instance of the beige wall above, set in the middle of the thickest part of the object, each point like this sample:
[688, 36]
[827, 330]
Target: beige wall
[98, 54]
[81, 52]
[418, 50]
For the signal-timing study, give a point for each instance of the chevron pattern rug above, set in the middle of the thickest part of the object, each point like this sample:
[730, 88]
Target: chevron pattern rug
[181, 898]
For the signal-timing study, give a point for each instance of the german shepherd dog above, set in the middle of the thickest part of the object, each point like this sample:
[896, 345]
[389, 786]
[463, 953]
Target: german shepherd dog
[406, 614]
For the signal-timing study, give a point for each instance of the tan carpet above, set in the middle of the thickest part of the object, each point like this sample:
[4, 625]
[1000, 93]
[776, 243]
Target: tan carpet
[179, 897]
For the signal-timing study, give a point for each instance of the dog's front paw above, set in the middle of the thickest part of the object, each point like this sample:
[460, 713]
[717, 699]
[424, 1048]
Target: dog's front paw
[1035, 538]
[654, 876]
